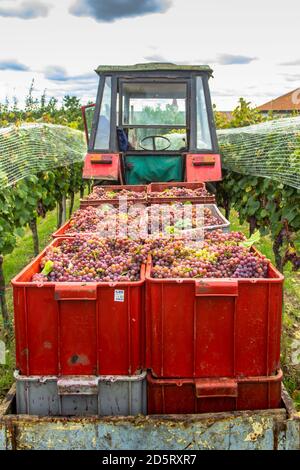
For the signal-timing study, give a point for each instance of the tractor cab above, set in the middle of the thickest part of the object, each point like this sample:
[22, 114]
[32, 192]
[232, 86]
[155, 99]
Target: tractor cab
[152, 122]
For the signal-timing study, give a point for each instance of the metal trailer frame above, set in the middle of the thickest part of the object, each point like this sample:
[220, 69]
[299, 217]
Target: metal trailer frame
[244, 430]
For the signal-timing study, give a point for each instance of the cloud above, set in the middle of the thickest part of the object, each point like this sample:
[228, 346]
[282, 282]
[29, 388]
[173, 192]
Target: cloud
[292, 62]
[160, 58]
[230, 59]
[112, 10]
[292, 78]
[14, 65]
[221, 59]
[222, 93]
[56, 73]
[155, 58]
[59, 74]
[26, 10]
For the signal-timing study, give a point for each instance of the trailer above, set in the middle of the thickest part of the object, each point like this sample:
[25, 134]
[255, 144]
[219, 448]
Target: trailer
[152, 127]
[277, 429]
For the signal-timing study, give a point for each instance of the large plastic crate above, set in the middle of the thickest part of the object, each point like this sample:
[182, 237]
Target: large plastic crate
[159, 187]
[115, 201]
[185, 396]
[81, 396]
[213, 327]
[78, 328]
[225, 226]
[63, 231]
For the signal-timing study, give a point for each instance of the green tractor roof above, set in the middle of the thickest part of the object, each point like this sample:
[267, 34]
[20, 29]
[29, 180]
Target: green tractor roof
[153, 67]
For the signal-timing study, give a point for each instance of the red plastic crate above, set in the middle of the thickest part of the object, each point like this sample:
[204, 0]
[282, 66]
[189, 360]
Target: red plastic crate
[115, 201]
[213, 327]
[78, 328]
[159, 187]
[61, 232]
[188, 396]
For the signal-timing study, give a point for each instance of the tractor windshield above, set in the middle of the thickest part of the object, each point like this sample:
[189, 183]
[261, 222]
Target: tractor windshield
[153, 115]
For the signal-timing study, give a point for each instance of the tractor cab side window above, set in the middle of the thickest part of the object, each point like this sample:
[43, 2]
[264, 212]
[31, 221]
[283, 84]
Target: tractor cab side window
[203, 132]
[103, 130]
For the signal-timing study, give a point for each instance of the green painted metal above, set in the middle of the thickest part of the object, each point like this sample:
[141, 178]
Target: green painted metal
[144, 169]
[264, 430]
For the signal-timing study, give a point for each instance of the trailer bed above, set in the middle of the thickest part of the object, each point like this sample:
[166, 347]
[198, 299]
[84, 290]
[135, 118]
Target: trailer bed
[266, 430]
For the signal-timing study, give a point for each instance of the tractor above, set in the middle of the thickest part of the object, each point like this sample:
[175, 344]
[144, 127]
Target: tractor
[151, 123]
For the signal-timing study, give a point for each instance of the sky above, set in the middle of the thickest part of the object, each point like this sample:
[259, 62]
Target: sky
[253, 47]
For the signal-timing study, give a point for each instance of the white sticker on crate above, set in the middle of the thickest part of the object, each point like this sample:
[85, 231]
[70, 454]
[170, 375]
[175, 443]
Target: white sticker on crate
[119, 295]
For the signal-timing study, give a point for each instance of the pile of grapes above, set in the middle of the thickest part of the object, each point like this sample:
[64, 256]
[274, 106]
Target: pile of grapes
[93, 259]
[100, 192]
[177, 191]
[107, 221]
[221, 256]
[177, 217]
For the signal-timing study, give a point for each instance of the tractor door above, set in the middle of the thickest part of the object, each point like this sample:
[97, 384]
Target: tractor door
[153, 125]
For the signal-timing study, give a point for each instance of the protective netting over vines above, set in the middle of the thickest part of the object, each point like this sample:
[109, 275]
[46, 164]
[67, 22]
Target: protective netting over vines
[270, 149]
[33, 148]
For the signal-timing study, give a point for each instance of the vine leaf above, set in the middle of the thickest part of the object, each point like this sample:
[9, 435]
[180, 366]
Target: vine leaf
[255, 238]
[48, 268]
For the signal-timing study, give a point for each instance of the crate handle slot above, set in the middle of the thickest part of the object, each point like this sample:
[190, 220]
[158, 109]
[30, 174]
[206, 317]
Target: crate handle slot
[218, 288]
[206, 388]
[78, 386]
[75, 292]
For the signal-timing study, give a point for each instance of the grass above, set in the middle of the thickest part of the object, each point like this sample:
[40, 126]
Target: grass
[291, 315]
[23, 253]
[13, 263]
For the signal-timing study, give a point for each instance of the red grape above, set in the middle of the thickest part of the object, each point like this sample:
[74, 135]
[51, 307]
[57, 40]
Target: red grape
[100, 192]
[91, 258]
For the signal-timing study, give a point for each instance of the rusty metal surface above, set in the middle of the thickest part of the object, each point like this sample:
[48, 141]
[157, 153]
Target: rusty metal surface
[270, 429]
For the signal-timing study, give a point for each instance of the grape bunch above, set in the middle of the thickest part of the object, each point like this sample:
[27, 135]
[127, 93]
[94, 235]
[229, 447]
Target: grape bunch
[86, 219]
[107, 221]
[177, 217]
[100, 192]
[217, 237]
[220, 256]
[177, 191]
[94, 259]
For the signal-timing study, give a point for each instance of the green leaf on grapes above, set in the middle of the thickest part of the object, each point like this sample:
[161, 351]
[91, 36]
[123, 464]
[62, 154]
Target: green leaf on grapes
[170, 229]
[255, 238]
[184, 223]
[48, 268]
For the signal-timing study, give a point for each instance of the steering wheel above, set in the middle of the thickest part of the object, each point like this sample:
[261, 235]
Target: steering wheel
[153, 138]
